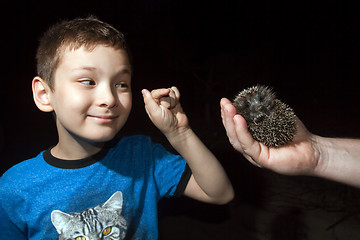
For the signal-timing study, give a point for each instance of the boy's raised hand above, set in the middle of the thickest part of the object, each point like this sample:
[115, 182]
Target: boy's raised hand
[165, 111]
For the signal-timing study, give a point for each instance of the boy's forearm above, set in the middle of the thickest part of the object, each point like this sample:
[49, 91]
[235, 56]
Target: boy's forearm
[206, 169]
[339, 160]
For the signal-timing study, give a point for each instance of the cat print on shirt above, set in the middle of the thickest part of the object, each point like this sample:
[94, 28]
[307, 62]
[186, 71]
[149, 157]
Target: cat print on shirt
[101, 222]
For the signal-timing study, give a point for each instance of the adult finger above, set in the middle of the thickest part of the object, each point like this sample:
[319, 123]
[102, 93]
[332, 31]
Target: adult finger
[235, 126]
[227, 114]
[250, 148]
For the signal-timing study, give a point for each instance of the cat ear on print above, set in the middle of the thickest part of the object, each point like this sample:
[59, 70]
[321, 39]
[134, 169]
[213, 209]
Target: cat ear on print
[59, 219]
[115, 202]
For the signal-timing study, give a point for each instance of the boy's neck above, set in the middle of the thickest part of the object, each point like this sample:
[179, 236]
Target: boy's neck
[75, 151]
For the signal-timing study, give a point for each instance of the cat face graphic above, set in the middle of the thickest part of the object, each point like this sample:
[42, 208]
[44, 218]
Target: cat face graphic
[101, 222]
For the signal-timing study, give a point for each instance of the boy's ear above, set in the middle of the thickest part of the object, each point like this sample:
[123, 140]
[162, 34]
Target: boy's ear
[41, 94]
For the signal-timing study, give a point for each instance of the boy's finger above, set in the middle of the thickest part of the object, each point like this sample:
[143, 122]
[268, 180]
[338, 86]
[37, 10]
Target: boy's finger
[176, 92]
[166, 102]
[150, 103]
[159, 93]
[171, 99]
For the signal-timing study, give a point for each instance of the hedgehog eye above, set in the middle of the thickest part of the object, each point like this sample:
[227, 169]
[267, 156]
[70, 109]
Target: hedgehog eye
[259, 108]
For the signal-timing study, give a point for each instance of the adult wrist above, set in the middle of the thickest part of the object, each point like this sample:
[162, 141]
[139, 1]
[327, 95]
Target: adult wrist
[321, 147]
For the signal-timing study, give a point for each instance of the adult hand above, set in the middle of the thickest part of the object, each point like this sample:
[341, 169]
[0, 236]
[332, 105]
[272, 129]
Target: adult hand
[297, 157]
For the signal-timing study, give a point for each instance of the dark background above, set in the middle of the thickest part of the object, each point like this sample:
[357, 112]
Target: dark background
[308, 51]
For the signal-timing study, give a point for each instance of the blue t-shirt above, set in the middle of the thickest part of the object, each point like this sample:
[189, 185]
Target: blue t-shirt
[111, 195]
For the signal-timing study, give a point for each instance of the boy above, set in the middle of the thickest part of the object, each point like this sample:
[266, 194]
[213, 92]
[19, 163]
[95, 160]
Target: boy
[91, 184]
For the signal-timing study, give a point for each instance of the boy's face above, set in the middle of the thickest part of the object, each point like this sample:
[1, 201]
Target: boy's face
[92, 94]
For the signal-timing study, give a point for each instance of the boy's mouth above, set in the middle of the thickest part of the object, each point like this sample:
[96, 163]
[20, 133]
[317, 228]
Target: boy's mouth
[103, 118]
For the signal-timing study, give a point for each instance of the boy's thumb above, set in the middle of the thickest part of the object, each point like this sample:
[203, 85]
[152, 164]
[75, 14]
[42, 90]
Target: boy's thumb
[150, 103]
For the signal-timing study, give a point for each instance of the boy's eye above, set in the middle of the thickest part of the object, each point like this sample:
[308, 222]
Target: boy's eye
[121, 85]
[87, 82]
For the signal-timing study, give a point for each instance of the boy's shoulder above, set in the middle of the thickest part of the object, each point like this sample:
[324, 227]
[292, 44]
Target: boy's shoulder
[23, 172]
[25, 166]
[20, 174]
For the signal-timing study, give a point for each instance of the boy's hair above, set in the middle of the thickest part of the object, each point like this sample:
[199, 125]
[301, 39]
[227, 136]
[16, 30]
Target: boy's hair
[72, 35]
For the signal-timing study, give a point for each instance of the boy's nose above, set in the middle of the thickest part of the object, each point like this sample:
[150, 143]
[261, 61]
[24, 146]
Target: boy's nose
[107, 98]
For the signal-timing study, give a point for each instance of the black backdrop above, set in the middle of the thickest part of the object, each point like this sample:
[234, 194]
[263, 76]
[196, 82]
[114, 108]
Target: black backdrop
[308, 51]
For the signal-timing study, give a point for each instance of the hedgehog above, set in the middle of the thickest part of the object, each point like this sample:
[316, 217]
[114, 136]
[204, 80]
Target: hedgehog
[269, 120]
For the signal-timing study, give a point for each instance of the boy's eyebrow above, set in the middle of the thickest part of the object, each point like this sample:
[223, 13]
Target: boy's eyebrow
[125, 70]
[89, 68]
